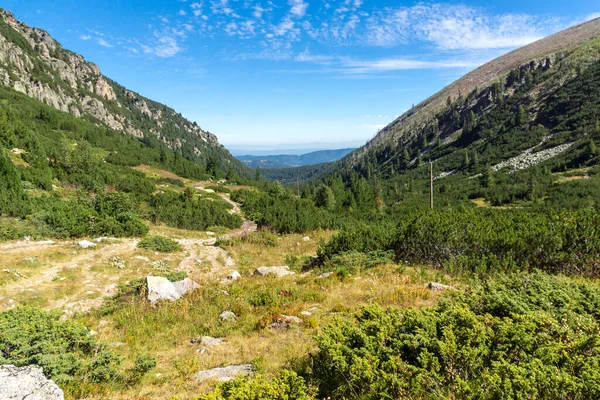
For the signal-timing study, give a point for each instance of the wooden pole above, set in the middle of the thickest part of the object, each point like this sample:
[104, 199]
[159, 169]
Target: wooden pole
[431, 184]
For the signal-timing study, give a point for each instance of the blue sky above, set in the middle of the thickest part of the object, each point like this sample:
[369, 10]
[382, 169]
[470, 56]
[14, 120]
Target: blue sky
[294, 72]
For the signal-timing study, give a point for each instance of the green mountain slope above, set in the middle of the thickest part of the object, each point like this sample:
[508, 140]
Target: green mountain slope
[33, 63]
[506, 132]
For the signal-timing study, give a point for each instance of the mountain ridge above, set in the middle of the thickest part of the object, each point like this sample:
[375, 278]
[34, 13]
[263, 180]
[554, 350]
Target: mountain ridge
[542, 53]
[291, 160]
[33, 63]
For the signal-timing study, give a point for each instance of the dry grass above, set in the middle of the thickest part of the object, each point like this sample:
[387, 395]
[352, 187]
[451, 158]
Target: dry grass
[165, 330]
[250, 255]
[153, 172]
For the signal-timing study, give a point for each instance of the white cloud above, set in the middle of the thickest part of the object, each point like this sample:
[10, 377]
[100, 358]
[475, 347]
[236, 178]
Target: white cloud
[306, 56]
[165, 44]
[85, 37]
[258, 11]
[592, 16]
[182, 13]
[104, 43]
[284, 27]
[222, 7]
[401, 64]
[298, 8]
[455, 27]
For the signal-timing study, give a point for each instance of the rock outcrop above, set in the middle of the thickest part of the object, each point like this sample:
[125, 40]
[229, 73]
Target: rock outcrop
[20, 383]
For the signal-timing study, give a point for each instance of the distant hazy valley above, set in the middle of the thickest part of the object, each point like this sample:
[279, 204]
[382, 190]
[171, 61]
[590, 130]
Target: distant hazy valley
[290, 160]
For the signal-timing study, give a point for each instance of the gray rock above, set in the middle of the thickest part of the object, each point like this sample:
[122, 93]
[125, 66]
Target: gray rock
[325, 275]
[225, 373]
[275, 271]
[27, 383]
[86, 244]
[234, 276]
[227, 316]
[160, 288]
[285, 322]
[437, 286]
[208, 341]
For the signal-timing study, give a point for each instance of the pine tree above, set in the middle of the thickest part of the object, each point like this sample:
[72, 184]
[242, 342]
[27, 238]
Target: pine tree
[324, 197]
[522, 116]
[11, 189]
[466, 160]
[475, 158]
[404, 159]
[257, 175]
[487, 177]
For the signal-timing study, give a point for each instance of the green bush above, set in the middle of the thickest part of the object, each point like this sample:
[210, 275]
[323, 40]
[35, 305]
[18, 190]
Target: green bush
[519, 337]
[159, 243]
[65, 349]
[354, 261]
[285, 386]
[482, 241]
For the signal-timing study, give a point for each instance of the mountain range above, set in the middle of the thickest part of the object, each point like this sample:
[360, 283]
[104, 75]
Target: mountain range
[291, 160]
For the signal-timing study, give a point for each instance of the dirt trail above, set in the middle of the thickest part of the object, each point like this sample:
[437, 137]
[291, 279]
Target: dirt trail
[92, 286]
[87, 287]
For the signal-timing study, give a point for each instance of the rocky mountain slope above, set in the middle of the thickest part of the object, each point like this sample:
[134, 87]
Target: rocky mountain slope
[32, 62]
[440, 120]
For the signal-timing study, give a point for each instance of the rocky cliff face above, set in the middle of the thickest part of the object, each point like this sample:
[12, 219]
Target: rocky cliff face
[32, 62]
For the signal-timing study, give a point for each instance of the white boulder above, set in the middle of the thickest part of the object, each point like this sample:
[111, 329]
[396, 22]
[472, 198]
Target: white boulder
[160, 288]
[86, 244]
[27, 383]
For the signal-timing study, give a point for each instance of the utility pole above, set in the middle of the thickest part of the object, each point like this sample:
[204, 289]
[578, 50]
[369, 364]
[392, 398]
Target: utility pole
[431, 184]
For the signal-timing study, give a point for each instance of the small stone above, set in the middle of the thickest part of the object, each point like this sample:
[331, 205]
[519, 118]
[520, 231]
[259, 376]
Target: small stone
[225, 373]
[143, 258]
[285, 322]
[276, 271]
[228, 316]
[201, 350]
[306, 239]
[325, 275]
[92, 333]
[434, 286]
[234, 276]
[86, 244]
[158, 375]
[208, 341]
[306, 313]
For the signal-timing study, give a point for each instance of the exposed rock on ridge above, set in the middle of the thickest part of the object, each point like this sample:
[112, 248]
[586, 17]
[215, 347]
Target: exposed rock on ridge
[33, 63]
